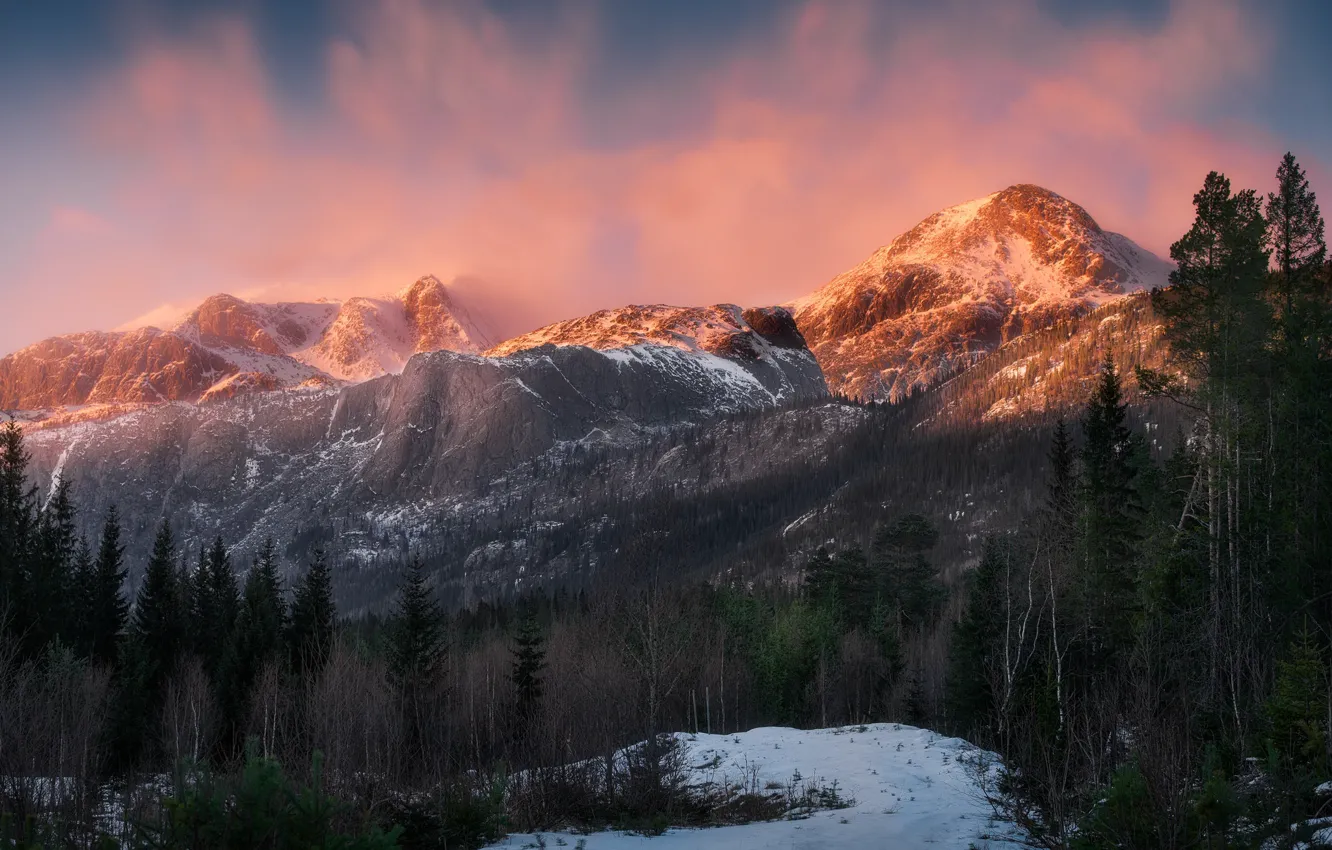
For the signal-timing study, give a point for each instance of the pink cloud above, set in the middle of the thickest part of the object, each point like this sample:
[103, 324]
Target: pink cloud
[75, 221]
[450, 144]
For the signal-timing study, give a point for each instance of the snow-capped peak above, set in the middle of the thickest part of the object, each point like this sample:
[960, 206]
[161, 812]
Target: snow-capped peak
[227, 345]
[961, 282]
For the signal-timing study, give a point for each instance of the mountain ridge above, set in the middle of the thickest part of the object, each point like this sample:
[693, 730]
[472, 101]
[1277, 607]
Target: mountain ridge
[227, 345]
[963, 281]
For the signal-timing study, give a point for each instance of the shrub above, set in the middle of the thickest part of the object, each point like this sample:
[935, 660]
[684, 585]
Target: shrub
[261, 809]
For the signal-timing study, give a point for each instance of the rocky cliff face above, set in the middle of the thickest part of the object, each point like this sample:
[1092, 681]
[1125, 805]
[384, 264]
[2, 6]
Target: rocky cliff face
[146, 365]
[449, 427]
[962, 282]
[758, 355]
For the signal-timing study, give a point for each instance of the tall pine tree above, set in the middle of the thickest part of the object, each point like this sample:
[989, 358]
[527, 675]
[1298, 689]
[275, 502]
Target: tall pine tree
[313, 618]
[256, 640]
[416, 664]
[17, 525]
[1217, 324]
[1299, 429]
[214, 604]
[416, 632]
[529, 659]
[1111, 517]
[1295, 234]
[106, 608]
[157, 626]
[50, 572]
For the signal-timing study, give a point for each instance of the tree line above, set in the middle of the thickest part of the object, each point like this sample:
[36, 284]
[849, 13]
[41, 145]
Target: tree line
[1150, 654]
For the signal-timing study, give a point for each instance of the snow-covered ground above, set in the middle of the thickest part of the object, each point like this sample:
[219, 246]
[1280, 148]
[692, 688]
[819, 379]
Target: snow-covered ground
[912, 788]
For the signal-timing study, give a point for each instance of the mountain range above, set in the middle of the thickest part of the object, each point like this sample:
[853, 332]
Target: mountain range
[377, 425]
[227, 345]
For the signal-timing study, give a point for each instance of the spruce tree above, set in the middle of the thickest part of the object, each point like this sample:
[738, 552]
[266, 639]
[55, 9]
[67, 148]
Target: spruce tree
[416, 631]
[1299, 431]
[256, 640]
[198, 590]
[17, 525]
[416, 660]
[226, 593]
[263, 613]
[106, 608]
[51, 572]
[157, 623]
[313, 617]
[214, 605]
[529, 659]
[1111, 515]
[1061, 498]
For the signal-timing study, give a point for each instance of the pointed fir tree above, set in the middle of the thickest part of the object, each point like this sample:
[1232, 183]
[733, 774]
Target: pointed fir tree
[214, 605]
[46, 616]
[313, 618]
[107, 609]
[198, 588]
[256, 640]
[262, 599]
[17, 526]
[263, 613]
[416, 632]
[1061, 494]
[1111, 515]
[1299, 437]
[529, 659]
[157, 623]
[225, 591]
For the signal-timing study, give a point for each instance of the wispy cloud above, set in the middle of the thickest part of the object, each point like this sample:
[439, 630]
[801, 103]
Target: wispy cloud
[449, 142]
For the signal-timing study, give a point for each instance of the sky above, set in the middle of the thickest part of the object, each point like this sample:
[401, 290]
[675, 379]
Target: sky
[552, 158]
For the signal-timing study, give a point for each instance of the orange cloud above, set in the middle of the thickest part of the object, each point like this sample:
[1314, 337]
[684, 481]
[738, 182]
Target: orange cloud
[449, 143]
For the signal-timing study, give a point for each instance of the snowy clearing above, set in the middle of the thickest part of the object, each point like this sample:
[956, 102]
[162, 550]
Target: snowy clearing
[912, 788]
